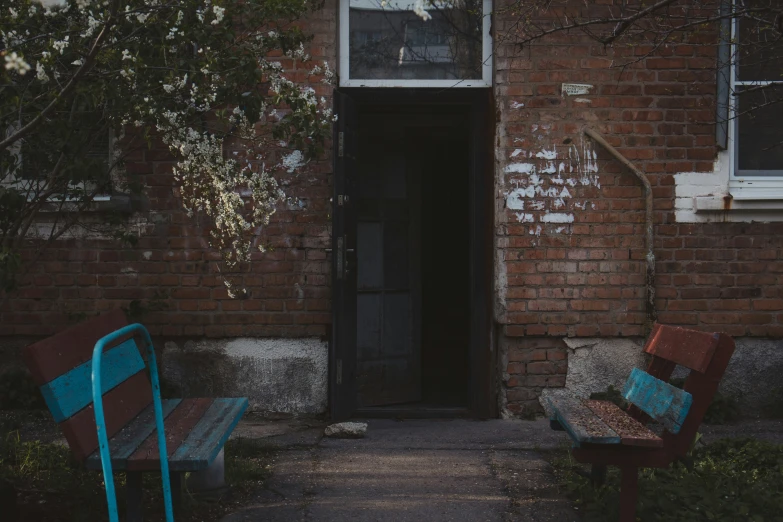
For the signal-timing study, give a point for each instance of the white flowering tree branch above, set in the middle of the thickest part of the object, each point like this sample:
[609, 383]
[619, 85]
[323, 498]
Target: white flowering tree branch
[194, 74]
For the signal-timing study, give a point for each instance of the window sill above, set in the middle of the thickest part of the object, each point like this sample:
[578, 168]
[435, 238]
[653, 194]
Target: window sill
[119, 203]
[756, 189]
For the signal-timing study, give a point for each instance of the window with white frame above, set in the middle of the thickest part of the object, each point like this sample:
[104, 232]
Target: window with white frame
[756, 104]
[87, 154]
[415, 43]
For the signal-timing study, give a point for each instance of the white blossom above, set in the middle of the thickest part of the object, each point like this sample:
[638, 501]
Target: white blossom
[14, 62]
[293, 161]
[419, 9]
[219, 13]
[60, 45]
[40, 73]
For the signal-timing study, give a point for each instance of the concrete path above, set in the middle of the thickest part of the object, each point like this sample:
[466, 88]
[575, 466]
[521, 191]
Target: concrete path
[415, 470]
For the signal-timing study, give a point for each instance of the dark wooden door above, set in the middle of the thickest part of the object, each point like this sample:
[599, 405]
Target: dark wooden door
[387, 248]
[342, 360]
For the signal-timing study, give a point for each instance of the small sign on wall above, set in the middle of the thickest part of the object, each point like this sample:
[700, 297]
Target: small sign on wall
[576, 89]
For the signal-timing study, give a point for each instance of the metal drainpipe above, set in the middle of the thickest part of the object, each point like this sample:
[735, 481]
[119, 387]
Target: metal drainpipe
[648, 197]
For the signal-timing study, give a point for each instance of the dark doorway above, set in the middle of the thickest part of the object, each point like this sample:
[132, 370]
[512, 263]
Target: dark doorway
[412, 236]
[413, 257]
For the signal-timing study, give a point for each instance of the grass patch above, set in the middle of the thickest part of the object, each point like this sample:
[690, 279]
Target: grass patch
[731, 480]
[49, 487]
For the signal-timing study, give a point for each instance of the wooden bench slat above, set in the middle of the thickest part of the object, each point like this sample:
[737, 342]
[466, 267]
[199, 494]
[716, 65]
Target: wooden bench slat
[125, 442]
[72, 391]
[631, 431]
[203, 444]
[177, 427]
[58, 354]
[581, 423]
[689, 348]
[120, 406]
[660, 400]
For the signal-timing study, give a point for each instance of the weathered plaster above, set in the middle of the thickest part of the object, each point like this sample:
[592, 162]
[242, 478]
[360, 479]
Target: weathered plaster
[707, 197]
[277, 375]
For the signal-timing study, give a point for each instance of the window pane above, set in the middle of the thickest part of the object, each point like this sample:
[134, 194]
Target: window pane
[760, 49]
[759, 142]
[392, 42]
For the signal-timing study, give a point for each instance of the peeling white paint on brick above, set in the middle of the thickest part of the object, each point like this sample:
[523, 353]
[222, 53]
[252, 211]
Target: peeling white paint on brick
[516, 153]
[520, 168]
[535, 231]
[517, 105]
[525, 218]
[557, 217]
[547, 154]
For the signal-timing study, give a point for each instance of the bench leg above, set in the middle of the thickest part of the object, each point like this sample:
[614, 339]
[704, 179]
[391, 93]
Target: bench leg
[133, 496]
[598, 475]
[176, 490]
[629, 491]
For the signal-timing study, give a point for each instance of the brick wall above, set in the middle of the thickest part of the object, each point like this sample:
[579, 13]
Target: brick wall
[572, 264]
[172, 275]
[567, 263]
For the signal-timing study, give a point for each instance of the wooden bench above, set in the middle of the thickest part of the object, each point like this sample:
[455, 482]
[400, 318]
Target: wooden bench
[195, 429]
[604, 435]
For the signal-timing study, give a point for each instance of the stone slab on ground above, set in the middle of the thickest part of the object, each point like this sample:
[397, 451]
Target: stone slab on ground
[346, 430]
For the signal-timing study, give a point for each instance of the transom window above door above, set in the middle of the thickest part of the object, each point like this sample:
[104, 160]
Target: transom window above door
[415, 43]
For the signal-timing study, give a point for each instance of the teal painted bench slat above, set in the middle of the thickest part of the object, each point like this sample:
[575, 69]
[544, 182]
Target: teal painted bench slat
[208, 436]
[72, 391]
[580, 422]
[124, 443]
[660, 400]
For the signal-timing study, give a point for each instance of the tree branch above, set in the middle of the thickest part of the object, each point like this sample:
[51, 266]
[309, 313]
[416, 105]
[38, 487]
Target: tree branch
[89, 61]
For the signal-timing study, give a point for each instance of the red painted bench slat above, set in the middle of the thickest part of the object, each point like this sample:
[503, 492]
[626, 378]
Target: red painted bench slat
[631, 431]
[689, 348]
[120, 406]
[177, 427]
[56, 355]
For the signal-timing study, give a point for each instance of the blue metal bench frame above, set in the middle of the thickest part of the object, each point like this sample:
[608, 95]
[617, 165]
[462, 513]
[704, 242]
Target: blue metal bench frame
[100, 422]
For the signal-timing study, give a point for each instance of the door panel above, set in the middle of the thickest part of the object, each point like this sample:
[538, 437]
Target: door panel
[342, 360]
[388, 372]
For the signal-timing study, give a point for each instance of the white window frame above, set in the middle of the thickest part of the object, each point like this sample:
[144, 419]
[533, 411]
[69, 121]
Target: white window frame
[486, 69]
[749, 188]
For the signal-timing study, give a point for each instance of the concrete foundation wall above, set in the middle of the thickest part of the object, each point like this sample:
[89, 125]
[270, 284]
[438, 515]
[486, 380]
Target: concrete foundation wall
[277, 375]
